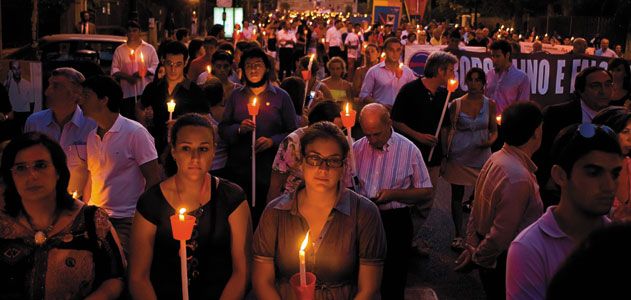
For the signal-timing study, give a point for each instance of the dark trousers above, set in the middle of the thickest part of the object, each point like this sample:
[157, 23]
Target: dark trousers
[128, 107]
[494, 280]
[398, 226]
[285, 57]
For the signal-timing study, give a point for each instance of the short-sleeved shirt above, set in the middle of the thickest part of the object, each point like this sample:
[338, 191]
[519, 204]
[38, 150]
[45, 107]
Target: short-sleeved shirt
[72, 138]
[536, 255]
[399, 165]
[209, 249]
[334, 37]
[114, 164]
[121, 62]
[71, 264]
[383, 85]
[507, 87]
[352, 39]
[352, 235]
[419, 109]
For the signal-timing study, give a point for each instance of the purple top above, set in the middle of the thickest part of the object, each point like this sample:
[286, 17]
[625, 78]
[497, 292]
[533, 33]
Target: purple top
[507, 87]
[535, 256]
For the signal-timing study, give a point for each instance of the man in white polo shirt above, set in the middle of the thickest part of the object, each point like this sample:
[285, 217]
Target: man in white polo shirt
[64, 122]
[334, 43]
[122, 158]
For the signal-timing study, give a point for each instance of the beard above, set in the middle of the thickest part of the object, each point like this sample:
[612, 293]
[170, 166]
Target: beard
[260, 83]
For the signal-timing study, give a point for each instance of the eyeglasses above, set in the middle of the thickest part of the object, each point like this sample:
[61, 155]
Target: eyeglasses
[22, 169]
[178, 64]
[316, 161]
[255, 66]
[588, 130]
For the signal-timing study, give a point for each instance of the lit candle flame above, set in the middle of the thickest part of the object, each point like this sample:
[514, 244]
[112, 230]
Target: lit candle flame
[303, 246]
[75, 195]
[208, 69]
[400, 65]
[383, 54]
[181, 213]
[254, 101]
[132, 52]
[348, 112]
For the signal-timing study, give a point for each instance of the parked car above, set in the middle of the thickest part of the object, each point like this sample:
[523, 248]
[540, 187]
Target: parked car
[80, 51]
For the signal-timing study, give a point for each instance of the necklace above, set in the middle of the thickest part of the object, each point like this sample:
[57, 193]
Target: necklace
[201, 192]
[41, 236]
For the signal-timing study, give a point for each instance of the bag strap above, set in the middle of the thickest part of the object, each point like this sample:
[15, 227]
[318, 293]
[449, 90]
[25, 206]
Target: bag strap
[454, 121]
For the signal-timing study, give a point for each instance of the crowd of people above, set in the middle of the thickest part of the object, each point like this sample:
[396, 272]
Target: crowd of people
[90, 186]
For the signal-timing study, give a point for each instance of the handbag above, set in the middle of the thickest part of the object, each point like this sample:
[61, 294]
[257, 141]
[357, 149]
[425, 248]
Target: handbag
[450, 136]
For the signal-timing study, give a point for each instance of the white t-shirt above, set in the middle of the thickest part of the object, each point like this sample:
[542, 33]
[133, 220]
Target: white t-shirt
[334, 37]
[285, 36]
[352, 39]
[114, 164]
[121, 62]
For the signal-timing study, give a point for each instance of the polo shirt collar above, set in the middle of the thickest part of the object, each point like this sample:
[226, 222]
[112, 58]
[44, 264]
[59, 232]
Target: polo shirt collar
[118, 124]
[268, 88]
[77, 117]
[550, 226]
[289, 202]
[382, 64]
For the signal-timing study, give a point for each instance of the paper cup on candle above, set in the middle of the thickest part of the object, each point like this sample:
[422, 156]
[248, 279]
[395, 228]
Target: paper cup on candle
[348, 115]
[182, 226]
[253, 107]
[306, 292]
[452, 85]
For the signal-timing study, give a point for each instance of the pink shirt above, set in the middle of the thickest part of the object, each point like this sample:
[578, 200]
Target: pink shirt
[506, 201]
[535, 256]
[507, 87]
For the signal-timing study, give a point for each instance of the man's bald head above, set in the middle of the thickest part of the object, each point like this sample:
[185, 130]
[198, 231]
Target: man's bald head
[579, 46]
[376, 124]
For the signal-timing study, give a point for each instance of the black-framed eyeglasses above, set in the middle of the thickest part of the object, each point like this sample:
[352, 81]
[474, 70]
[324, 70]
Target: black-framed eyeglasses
[588, 130]
[22, 169]
[316, 161]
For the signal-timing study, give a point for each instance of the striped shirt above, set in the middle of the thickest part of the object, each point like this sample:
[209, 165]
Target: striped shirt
[399, 165]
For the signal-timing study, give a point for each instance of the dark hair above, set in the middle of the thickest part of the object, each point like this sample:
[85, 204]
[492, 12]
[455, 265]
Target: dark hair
[193, 48]
[391, 40]
[132, 24]
[438, 60]
[105, 86]
[213, 91]
[225, 46]
[616, 117]
[593, 270]
[210, 40]
[12, 200]
[243, 45]
[189, 119]
[479, 71]
[222, 55]
[455, 34]
[215, 30]
[175, 48]
[295, 87]
[503, 46]
[519, 122]
[180, 34]
[569, 146]
[581, 78]
[254, 53]
[323, 130]
[616, 62]
[324, 111]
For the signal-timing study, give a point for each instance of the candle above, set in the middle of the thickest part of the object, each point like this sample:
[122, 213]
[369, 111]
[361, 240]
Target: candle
[182, 228]
[142, 68]
[253, 107]
[132, 56]
[301, 255]
[253, 110]
[171, 108]
[311, 61]
[323, 40]
[452, 85]
[181, 214]
[499, 119]
[209, 69]
[75, 195]
[348, 116]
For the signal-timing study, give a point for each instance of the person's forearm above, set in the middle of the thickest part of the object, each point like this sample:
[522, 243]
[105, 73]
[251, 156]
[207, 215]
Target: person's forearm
[109, 289]
[405, 129]
[266, 290]
[235, 288]
[141, 289]
[411, 196]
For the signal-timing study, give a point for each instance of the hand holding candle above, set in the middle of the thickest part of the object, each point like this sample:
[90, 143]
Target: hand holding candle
[182, 228]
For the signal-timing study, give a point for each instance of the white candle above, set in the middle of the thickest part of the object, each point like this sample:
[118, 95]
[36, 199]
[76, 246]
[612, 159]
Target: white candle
[171, 108]
[303, 267]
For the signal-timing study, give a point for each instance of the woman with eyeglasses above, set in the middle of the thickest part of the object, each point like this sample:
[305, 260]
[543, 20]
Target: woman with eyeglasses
[52, 246]
[347, 244]
[218, 251]
[619, 120]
